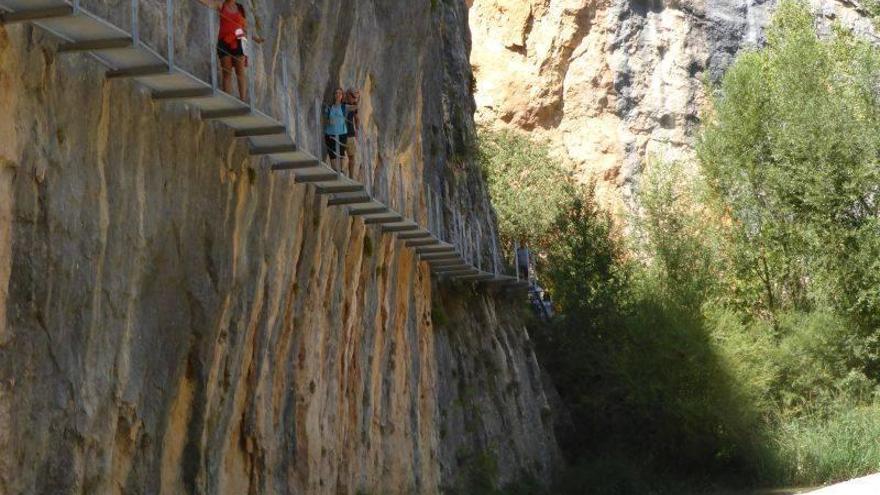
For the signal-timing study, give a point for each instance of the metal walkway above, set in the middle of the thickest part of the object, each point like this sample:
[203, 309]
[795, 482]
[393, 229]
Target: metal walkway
[127, 56]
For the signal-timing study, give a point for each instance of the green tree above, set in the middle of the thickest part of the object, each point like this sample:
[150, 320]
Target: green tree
[529, 188]
[792, 151]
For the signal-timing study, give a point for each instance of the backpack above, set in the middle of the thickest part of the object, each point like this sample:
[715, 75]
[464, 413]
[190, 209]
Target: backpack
[240, 9]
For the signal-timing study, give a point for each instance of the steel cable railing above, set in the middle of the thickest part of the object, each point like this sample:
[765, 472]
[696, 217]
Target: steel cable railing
[365, 162]
[382, 186]
[401, 193]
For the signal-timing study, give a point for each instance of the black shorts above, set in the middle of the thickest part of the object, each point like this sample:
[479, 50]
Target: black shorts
[333, 147]
[224, 50]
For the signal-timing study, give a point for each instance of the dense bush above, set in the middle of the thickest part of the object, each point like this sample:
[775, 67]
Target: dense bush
[528, 187]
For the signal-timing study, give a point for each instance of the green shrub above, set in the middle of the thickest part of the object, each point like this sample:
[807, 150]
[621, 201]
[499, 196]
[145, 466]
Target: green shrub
[529, 188]
[680, 236]
[820, 357]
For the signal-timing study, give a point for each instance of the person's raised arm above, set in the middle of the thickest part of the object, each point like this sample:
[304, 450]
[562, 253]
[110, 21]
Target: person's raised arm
[212, 4]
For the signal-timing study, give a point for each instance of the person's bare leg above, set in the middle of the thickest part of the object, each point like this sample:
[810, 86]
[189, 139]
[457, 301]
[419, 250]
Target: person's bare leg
[226, 74]
[351, 162]
[241, 75]
[337, 162]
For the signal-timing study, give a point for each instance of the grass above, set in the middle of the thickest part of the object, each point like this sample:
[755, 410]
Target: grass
[818, 450]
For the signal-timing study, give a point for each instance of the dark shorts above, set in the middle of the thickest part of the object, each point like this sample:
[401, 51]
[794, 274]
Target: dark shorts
[224, 50]
[332, 148]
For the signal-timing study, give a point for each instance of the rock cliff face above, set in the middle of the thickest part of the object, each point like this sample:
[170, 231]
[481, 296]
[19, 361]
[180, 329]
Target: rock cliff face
[612, 83]
[174, 318]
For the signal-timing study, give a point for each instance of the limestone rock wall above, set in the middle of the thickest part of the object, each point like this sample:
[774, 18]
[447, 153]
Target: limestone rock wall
[174, 318]
[612, 83]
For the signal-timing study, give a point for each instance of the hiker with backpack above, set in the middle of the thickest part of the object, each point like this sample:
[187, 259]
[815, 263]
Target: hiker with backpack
[231, 43]
[352, 98]
[523, 261]
[335, 128]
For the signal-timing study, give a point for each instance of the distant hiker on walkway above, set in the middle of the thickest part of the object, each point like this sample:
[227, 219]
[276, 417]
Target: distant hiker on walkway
[335, 130]
[522, 262]
[231, 43]
[352, 122]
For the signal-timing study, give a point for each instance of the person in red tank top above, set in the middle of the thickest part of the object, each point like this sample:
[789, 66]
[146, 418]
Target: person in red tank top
[230, 46]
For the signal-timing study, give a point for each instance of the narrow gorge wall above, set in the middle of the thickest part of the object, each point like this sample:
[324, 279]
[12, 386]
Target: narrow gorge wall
[611, 84]
[178, 319]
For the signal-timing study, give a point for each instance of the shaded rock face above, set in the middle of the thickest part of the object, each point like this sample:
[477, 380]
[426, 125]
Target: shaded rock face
[612, 84]
[176, 319]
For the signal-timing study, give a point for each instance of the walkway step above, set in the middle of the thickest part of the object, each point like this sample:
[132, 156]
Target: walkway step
[383, 220]
[426, 242]
[144, 70]
[400, 228]
[306, 179]
[435, 249]
[459, 272]
[339, 189]
[182, 94]
[440, 256]
[448, 265]
[261, 131]
[415, 235]
[37, 14]
[348, 201]
[225, 114]
[368, 211]
[296, 165]
[272, 150]
[479, 277]
[456, 270]
[447, 259]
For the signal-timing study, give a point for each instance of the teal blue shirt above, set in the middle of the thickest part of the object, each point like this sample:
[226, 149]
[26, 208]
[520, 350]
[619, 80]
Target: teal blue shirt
[335, 121]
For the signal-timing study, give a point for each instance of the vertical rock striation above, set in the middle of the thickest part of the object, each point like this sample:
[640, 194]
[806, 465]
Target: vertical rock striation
[612, 84]
[180, 320]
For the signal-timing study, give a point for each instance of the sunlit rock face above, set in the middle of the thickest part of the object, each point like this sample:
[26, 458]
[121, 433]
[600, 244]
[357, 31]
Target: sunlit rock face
[615, 84]
[174, 318]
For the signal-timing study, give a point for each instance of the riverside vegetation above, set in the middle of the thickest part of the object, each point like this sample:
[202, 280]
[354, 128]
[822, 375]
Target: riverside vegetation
[734, 337]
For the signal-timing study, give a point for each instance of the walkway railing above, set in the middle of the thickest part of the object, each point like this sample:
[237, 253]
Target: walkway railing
[148, 42]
